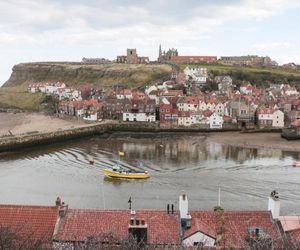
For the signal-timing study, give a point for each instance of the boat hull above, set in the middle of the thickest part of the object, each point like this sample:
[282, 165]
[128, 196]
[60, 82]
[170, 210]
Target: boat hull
[125, 175]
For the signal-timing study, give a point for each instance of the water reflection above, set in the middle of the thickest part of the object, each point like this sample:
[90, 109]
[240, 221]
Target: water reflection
[176, 162]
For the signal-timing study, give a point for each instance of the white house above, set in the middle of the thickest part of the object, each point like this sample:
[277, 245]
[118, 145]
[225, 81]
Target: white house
[278, 119]
[202, 105]
[268, 117]
[184, 119]
[150, 89]
[220, 109]
[197, 118]
[289, 90]
[76, 94]
[246, 89]
[120, 96]
[211, 106]
[198, 237]
[91, 117]
[42, 88]
[215, 121]
[188, 103]
[199, 75]
[138, 117]
[51, 89]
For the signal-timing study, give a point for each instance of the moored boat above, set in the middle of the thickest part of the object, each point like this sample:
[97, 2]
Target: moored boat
[118, 172]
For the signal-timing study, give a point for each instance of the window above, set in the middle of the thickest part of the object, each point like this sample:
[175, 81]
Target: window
[200, 244]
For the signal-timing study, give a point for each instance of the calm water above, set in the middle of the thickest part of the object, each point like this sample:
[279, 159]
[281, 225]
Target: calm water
[176, 163]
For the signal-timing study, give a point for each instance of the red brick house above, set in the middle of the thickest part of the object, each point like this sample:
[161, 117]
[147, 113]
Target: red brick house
[168, 115]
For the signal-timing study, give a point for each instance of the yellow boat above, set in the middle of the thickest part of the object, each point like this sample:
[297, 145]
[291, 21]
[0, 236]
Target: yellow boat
[121, 173]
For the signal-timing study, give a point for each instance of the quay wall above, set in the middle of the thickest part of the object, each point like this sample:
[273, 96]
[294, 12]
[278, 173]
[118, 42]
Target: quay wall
[16, 142]
[12, 143]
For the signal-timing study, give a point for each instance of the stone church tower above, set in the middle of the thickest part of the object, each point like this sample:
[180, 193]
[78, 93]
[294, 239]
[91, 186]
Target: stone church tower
[132, 57]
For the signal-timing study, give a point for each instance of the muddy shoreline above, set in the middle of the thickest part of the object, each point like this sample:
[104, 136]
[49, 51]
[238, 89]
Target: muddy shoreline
[36, 129]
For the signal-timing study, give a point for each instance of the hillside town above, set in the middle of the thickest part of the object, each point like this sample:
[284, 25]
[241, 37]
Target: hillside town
[192, 97]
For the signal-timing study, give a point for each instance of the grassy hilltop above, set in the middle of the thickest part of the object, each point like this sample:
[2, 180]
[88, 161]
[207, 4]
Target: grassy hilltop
[14, 92]
[261, 76]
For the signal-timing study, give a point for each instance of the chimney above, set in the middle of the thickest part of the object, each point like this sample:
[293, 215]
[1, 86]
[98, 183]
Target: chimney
[168, 208]
[172, 208]
[185, 217]
[274, 204]
[137, 229]
[62, 210]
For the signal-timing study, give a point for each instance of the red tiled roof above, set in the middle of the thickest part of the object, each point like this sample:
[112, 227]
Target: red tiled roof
[193, 58]
[165, 106]
[295, 123]
[79, 224]
[184, 114]
[192, 100]
[234, 225]
[207, 113]
[264, 111]
[294, 235]
[227, 118]
[37, 222]
[174, 92]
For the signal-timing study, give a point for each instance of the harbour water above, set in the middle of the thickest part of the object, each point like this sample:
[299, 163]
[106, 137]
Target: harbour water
[177, 163]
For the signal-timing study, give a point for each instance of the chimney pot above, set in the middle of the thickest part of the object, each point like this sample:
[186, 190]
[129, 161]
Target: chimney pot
[168, 208]
[58, 201]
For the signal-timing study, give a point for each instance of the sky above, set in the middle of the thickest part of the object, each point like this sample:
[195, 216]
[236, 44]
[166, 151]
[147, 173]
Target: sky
[63, 30]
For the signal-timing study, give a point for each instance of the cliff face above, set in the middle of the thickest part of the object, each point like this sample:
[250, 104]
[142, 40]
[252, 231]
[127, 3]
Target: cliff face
[101, 75]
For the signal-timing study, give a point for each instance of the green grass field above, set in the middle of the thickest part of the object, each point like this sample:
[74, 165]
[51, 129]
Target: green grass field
[13, 97]
[225, 69]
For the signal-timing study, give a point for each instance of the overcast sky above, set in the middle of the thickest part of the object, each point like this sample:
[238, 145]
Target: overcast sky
[54, 30]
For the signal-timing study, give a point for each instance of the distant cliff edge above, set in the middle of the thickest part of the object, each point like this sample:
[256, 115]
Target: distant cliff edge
[74, 74]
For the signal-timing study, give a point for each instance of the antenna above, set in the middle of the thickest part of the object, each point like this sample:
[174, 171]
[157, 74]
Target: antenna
[129, 201]
[103, 197]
